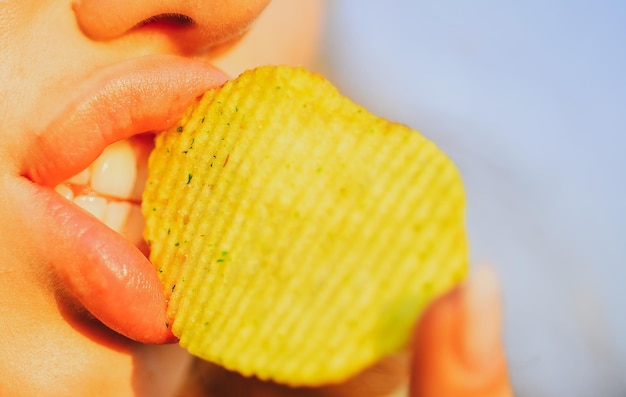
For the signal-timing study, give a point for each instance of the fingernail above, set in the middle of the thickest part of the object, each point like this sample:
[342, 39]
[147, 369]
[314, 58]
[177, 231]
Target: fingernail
[481, 340]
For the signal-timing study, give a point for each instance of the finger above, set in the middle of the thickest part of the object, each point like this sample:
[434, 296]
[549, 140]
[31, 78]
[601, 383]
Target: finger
[458, 348]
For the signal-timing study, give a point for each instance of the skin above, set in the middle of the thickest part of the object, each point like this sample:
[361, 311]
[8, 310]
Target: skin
[82, 312]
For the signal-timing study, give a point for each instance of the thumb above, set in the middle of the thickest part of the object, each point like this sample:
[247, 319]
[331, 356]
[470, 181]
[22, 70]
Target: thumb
[458, 349]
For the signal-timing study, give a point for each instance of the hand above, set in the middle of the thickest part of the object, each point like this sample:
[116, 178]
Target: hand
[456, 352]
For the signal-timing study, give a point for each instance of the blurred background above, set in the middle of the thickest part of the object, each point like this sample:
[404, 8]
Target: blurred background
[529, 99]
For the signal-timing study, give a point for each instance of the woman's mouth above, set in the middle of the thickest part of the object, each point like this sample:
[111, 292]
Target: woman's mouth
[91, 155]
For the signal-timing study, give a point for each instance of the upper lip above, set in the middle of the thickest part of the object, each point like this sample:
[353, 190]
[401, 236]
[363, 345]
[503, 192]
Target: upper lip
[139, 95]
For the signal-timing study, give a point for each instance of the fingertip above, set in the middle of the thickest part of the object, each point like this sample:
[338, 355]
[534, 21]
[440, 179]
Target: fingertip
[480, 340]
[458, 350]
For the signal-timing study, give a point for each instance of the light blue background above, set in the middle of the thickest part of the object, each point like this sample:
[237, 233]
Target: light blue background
[529, 99]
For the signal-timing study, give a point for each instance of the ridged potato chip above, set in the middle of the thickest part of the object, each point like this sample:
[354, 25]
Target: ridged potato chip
[298, 236]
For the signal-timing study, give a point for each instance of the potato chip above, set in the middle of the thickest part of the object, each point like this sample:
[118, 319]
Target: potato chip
[298, 236]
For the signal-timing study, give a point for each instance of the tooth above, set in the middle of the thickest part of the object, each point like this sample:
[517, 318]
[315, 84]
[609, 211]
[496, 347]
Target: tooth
[142, 153]
[117, 215]
[82, 178]
[95, 205]
[135, 223]
[115, 171]
[64, 191]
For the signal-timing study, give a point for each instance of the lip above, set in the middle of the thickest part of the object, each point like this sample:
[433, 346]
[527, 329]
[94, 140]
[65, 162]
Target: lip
[140, 95]
[110, 277]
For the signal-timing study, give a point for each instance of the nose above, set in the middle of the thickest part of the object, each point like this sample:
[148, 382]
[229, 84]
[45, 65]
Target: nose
[192, 23]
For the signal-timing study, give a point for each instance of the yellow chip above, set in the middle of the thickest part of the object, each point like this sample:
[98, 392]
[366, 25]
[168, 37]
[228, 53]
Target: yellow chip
[298, 236]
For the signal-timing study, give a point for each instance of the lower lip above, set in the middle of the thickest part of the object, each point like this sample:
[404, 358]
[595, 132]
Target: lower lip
[106, 273]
